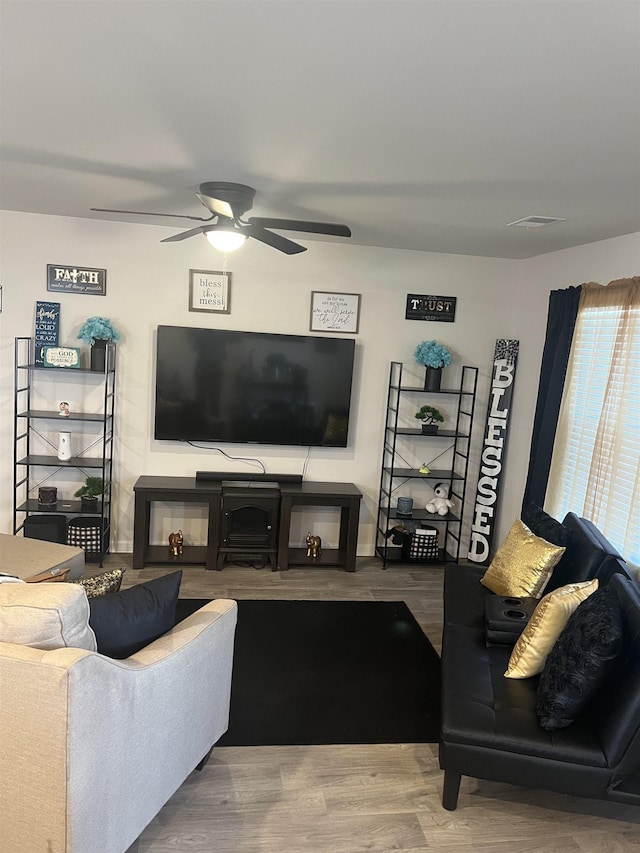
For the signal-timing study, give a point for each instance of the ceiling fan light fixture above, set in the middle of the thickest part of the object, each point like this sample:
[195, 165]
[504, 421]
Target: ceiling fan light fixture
[225, 240]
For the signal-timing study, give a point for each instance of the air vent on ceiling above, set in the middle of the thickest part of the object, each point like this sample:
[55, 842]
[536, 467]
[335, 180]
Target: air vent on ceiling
[536, 221]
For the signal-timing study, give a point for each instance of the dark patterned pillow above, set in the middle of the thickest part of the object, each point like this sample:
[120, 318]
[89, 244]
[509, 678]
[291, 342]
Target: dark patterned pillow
[580, 661]
[545, 526]
[102, 584]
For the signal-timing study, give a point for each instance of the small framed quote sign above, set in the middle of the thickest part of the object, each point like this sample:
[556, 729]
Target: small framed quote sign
[61, 356]
[335, 312]
[210, 291]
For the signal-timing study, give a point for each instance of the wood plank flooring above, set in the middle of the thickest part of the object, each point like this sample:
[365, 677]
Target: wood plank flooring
[347, 799]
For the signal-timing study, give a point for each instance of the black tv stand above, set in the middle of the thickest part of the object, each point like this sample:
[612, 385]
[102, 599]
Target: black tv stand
[292, 496]
[233, 476]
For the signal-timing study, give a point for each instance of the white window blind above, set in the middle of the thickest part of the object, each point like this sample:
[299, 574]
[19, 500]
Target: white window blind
[595, 470]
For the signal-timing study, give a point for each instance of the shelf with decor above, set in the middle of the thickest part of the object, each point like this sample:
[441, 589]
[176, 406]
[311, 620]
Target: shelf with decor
[35, 431]
[399, 465]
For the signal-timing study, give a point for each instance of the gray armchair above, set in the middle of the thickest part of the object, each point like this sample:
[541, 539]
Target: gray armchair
[92, 747]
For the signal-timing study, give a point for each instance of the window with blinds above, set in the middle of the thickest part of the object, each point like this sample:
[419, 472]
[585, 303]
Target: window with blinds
[595, 470]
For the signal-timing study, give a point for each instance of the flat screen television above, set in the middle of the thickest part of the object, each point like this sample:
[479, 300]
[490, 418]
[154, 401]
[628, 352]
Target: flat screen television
[216, 385]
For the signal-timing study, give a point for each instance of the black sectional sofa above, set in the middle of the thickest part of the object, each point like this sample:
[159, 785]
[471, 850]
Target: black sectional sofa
[490, 728]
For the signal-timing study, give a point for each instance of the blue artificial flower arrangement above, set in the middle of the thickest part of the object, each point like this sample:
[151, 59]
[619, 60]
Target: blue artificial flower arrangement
[432, 354]
[98, 329]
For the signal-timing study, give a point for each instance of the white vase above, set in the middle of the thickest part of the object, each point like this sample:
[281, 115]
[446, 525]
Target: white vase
[64, 446]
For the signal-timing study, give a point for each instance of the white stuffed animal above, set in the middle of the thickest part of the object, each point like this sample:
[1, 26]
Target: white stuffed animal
[440, 503]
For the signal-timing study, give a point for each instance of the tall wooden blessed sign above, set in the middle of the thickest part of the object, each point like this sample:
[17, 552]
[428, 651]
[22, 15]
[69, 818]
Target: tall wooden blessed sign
[493, 449]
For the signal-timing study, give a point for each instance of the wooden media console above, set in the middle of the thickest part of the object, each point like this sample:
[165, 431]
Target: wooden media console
[292, 495]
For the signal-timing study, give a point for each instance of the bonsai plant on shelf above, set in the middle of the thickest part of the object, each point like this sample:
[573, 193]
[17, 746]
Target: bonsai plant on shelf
[90, 492]
[97, 332]
[430, 418]
[434, 357]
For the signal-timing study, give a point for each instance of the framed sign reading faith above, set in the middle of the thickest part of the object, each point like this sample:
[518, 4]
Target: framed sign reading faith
[335, 312]
[210, 291]
[63, 278]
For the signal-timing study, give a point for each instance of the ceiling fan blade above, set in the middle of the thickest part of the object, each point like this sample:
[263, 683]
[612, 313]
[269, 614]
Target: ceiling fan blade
[150, 213]
[216, 206]
[271, 239]
[201, 229]
[300, 225]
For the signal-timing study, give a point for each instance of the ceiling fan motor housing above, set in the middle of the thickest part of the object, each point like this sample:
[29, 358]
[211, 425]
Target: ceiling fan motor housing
[239, 197]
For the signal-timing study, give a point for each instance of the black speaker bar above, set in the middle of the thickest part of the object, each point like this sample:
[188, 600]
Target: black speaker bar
[217, 476]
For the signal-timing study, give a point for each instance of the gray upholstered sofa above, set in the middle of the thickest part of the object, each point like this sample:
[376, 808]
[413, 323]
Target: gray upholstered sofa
[490, 728]
[92, 747]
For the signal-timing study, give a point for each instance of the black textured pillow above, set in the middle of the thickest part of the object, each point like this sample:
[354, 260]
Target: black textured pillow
[127, 621]
[580, 661]
[545, 526]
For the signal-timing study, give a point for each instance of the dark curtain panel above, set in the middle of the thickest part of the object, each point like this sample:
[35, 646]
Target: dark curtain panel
[561, 321]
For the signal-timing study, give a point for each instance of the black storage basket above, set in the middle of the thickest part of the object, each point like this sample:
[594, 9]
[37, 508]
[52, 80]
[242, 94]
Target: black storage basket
[422, 545]
[49, 526]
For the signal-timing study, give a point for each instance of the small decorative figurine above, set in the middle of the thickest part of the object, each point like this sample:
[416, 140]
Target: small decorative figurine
[440, 502]
[64, 410]
[314, 546]
[175, 544]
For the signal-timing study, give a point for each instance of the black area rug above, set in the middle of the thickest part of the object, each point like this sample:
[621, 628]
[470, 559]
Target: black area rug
[330, 672]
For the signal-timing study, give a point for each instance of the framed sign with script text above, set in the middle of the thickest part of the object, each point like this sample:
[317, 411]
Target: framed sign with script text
[335, 312]
[47, 328]
[210, 291]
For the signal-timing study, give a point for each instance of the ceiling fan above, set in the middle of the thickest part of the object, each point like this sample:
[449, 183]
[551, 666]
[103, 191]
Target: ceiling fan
[227, 203]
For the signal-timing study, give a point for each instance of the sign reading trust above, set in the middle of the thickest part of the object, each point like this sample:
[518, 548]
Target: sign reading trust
[439, 308]
[69, 279]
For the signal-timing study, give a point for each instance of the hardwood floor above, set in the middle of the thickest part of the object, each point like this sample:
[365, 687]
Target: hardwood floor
[346, 799]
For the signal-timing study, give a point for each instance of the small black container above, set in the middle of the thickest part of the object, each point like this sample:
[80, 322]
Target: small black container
[99, 355]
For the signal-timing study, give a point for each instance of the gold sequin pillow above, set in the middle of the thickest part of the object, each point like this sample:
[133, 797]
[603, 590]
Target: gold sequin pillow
[102, 584]
[547, 622]
[523, 564]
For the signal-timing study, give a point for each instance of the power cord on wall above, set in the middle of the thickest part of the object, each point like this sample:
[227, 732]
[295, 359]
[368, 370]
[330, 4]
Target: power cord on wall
[248, 459]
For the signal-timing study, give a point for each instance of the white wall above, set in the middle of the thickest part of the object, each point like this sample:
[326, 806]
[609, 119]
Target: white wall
[147, 285]
[602, 262]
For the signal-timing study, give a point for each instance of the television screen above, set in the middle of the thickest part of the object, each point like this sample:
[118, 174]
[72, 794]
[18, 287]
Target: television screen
[232, 386]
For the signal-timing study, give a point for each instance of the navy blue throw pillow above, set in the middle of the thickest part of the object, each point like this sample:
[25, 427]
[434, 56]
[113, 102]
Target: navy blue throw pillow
[581, 660]
[546, 526]
[125, 622]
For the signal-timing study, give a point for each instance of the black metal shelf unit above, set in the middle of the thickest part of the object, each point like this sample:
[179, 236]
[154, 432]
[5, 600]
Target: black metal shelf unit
[32, 469]
[392, 476]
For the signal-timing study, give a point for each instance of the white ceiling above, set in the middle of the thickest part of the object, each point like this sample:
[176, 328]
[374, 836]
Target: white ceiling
[422, 124]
